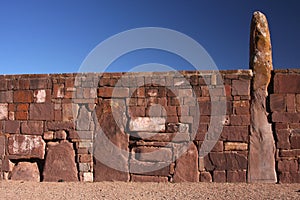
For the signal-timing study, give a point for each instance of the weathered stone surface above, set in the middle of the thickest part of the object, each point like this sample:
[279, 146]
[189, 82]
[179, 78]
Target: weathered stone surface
[32, 127]
[295, 141]
[40, 96]
[287, 83]
[110, 145]
[12, 126]
[60, 163]
[26, 146]
[219, 176]
[162, 137]
[26, 171]
[177, 128]
[277, 103]
[235, 133]
[2, 146]
[139, 178]
[149, 168]
[288, 165]
[58, 125]
[41, 111]
[3, 111]
[187, 166]
[287, 177]
[262, 144]
[149, 124]
[22, 96]
[83, 119]
[205, 177]
[236, 176]
[240, 87]
[235, 146]
[228, 161]
[153, 154]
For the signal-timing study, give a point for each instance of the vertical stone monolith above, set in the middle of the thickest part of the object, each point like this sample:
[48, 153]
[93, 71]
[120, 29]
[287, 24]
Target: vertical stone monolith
[261, 165]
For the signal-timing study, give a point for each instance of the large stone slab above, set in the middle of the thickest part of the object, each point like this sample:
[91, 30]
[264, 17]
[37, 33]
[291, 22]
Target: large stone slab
[187, 166]
[110, 144]
[261, 165]
[26, 171]
[60, 163]
[26, 146]
[149, 124]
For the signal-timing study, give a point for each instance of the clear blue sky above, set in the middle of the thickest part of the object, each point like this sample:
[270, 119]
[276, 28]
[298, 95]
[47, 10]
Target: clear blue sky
[54, 36]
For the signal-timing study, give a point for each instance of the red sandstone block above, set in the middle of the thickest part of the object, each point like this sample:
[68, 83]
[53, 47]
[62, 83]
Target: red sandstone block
[59, 125]
[23, 107]
[295, 141]
[85, 158]
[219, 176]
[240, 87]
[228, 161]
[24, 84]
[241, 107]
[286, 177]
[41, 111]
[288, 165]
[283, 141]
[286, 83]
[21, 115]
[298, 102]
[236, 176]
[32, 127]
[218, 147]
[289, 153]
[239, 120]
[235, 133]
[140, 178]
[278, 102]
[12, 127]
[40, 83]
[290, 103]
[201, 132]
[205, 177]
[286, 117]
[23, 96]
[281, 126]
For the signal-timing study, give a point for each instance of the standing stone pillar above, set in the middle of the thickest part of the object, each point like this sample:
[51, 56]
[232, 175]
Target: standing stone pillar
[261, 164]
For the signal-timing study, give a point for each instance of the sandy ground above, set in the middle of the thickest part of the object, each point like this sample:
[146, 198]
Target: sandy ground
[120, 190]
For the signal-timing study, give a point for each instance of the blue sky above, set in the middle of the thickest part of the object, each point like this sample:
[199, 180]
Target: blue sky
[55, 36]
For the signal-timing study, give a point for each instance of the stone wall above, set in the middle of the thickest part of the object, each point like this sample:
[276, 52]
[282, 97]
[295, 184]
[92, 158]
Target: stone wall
[161, 127]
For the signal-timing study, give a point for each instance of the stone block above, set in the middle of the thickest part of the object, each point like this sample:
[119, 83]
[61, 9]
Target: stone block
[60, 163]
[40, 83]
[235, 133]
[228, 161]
[290, 103]
[277, 102]
[286, 83]
[26, 171]
[236, 176]
[49, 135]
[41, 111]
[287, 177]
[40, 96]
[2, 146]
[149, 124]
[205, 177]
[162, 137]
[295, 141]
[59, 125]
[149, 168]
[240, 87]
[140, 178]
[153, 154]
[283, 138]
[23, 96]
[187, 166]
[60, 135]
[3, 111]
[177, 128]
[286, 117]
[288, 165]
[12, 127]
[240, 120]
[26, 146]
[219, 176]
[235, 146]
[32, 127]
[218, 147]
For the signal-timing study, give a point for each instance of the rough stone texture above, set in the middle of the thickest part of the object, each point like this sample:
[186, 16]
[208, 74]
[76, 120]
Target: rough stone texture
[110, 164]
[235, 146]
[26, 171]
[149, 124]
[3, 111]
[26, 146]
[41, 111]
[32, 127]
[262, 144]
[60, 163]
[187, 166]
[153, 154]
[139, 178]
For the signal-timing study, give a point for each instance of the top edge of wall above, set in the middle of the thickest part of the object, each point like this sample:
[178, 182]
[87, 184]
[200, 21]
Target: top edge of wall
[189, 73]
